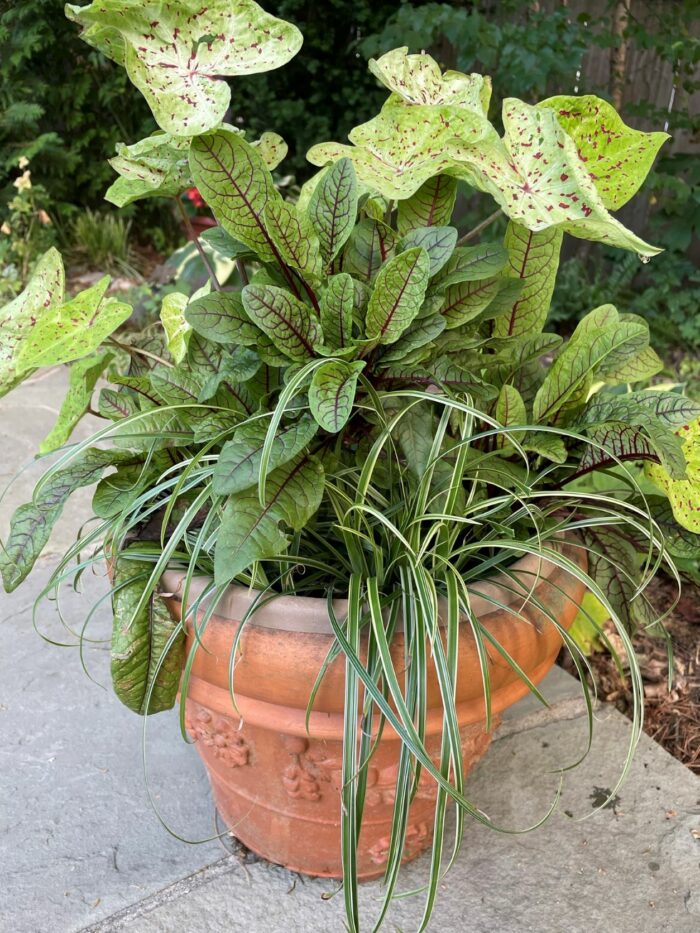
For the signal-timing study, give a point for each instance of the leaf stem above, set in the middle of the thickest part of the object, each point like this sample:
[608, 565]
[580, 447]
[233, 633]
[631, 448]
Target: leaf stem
[195, 239]
[139, 350]
[479, 227]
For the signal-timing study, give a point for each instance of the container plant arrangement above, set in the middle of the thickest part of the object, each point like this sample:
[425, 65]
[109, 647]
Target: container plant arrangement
[345, 498]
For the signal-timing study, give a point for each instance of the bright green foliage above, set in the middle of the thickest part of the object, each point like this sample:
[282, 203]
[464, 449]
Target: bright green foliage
[154, 167]
[286, 320]
[333, 207]
[432, 204]
[19, 319]
[683, 494]
[172, 317]
[74, 329]
[148, 645]
[185, 91]
[81, 384]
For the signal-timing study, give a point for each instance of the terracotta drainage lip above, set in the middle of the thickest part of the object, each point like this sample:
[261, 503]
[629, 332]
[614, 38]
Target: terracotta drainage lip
[309, 614]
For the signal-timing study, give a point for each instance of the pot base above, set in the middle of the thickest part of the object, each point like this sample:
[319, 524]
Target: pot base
[279, 794]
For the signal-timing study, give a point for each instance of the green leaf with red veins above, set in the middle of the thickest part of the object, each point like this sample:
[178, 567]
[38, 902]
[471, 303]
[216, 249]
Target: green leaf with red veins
[398, 294]
[432, 204]
[471, 264]
[288, 322]
[438, 242]
[465, 301]
[250, 532]
[419, 334]
[510, 411]
[588, 348]
[178, 54]
[156, 166]
[74, 329]
[220, 317]
[333, 207]
[368, 248]
[238, 466]
[337, 305]
[236, 184]
[534, 259]
[404, 145]
[536, 176]
[616, 157]
[21, 316]
[417, 79]
[295, 238]
[332, 393]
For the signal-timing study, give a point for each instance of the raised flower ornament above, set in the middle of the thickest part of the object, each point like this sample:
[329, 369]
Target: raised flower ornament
[368, 413]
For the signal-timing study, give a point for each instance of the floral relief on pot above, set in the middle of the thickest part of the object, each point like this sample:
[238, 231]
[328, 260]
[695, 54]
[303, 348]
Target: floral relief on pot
[219, 734]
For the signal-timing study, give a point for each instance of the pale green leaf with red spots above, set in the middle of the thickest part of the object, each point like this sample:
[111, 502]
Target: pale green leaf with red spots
[177, 328]
[272, 148]
[397, 151]
[153, 167]
[683, 495]
[417, 79]
[536, 176]
[21, 316]
[178, 53]
[72, 330]
[616, 157]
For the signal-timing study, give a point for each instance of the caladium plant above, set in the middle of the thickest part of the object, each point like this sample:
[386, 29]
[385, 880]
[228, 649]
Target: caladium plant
[373, 397]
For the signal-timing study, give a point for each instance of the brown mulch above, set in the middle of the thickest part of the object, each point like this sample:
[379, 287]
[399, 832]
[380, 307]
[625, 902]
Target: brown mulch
[671, 718]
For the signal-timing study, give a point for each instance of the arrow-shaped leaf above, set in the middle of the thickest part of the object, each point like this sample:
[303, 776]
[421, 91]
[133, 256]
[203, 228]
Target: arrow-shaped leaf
[238, 466]
[235, 182]
[332, 393]
[250, 532]
[333, 207]
[288, 322]
[74, 329]
[398, 294]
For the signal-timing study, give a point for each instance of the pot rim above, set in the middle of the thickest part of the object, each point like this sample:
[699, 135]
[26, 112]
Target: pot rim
[309, 614]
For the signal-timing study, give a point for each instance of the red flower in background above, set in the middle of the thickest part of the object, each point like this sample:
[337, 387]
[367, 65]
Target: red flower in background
[194, 197]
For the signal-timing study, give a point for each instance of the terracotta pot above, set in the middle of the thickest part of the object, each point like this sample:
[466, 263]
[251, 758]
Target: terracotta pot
[276, 786]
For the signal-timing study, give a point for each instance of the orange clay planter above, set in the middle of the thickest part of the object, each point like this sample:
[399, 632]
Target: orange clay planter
[276, 786]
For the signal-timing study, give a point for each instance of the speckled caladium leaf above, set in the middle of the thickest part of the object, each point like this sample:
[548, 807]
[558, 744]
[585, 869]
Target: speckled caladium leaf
[533, 258]
[74, 329]
[156, 166]
[238, 466]
[177, 53]
[294, 236]
[139, 642]
[250, 531]
[19, 318]
[438, 242]
[470, 264]
[683, 495]
[536, 176]
[288, 322]
[600, 335]
[82, 379]
[235, 182]
[398, 294]
[368, 248]
[432, 204]
[333, 207]
[337, 304]
[272, 148]
[616, 157]
[177, 329]
[417, 79]
[332, 393]
[220, 317]
[404, 145]
[32, 523]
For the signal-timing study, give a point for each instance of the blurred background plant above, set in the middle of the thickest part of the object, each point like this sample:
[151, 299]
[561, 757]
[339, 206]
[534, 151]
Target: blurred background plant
[643, 55]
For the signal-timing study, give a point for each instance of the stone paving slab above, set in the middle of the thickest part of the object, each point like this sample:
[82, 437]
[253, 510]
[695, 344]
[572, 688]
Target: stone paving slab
[81, 847]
